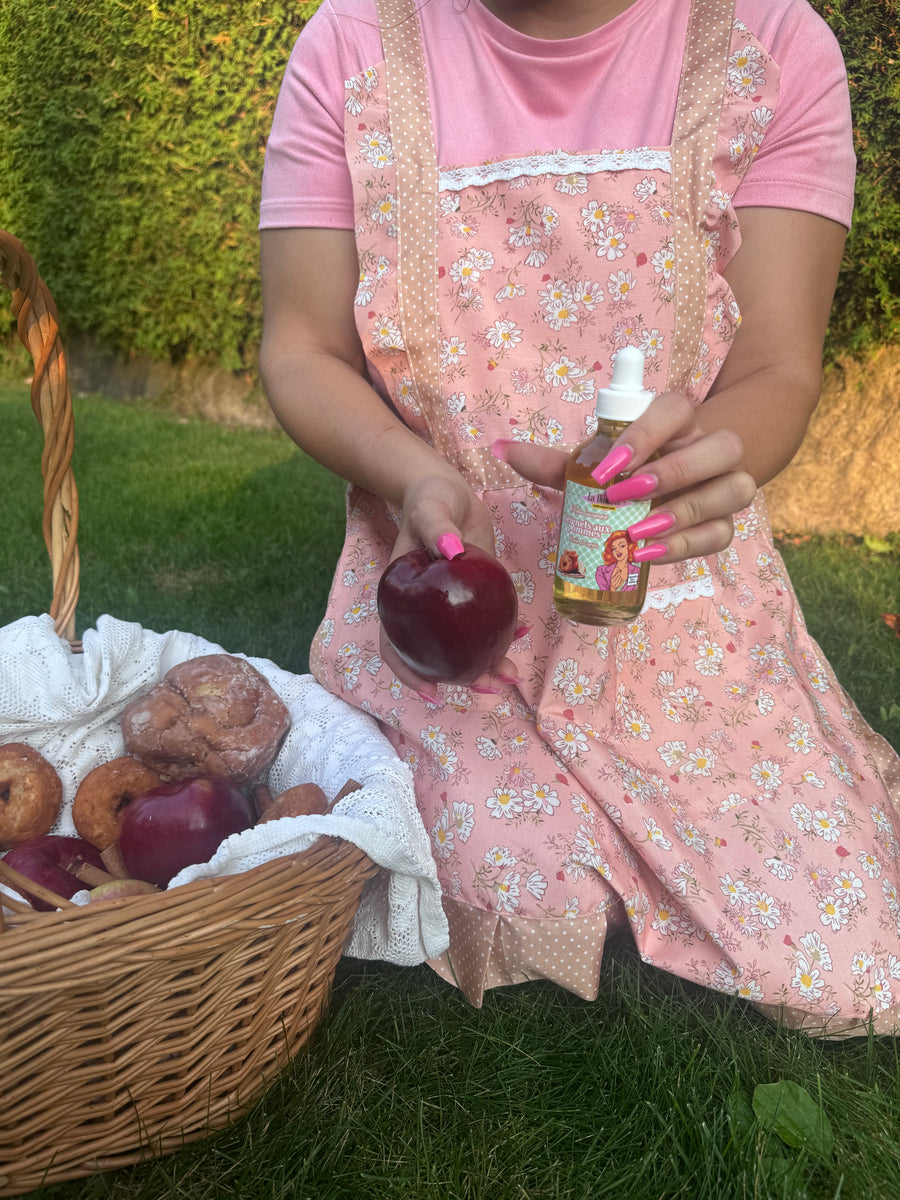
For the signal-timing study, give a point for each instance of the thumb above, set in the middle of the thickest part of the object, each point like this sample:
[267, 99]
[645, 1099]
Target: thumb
[541, 464]
[444, 539]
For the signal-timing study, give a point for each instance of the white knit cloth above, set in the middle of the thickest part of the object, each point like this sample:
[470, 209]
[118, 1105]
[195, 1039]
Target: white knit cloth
[67, 706]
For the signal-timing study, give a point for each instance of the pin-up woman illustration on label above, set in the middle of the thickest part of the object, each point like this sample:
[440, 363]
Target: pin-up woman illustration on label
[618, 573]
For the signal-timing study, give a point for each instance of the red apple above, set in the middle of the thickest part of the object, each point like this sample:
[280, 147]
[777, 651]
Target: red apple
[50, 861]
[180, 823]
[449, 619]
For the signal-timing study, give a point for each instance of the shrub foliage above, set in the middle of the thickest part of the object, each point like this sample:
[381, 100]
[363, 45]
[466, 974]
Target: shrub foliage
[132, 138]
[131, 148]
[866, 312]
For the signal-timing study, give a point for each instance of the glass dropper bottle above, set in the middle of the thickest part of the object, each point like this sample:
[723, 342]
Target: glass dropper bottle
[596, 581]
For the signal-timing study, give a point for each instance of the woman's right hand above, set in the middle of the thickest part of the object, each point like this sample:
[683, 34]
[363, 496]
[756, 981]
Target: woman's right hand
[439, 512]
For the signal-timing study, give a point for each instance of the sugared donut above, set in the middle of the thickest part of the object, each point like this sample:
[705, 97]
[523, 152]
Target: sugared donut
[30, 794]
[212, 715]
[103, 796]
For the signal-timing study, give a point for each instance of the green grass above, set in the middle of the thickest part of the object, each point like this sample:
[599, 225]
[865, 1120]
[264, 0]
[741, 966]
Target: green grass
[405, 1090]
[184, 525]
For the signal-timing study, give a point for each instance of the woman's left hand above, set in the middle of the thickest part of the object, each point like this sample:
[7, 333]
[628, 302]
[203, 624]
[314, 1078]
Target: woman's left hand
[695, 485]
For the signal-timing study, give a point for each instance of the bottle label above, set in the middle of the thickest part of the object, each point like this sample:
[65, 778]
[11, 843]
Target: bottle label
[595, 550]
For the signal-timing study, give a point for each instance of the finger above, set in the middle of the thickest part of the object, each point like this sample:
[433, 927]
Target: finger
[435, 530]
[699, 540]
[504, 673]
[541, 464]
[669, 417]
[721, 497]
[442, 514]
[713, 456]
[406, 541]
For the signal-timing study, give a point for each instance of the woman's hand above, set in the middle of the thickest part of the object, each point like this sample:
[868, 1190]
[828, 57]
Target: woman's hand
[696, 484]
[441, 511]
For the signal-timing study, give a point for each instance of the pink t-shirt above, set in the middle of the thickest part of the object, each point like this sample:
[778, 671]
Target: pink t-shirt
[499, 94]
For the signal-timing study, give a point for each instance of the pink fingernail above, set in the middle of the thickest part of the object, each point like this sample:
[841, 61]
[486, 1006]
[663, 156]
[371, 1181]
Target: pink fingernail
[449, 545]
[428, 699]
[511, 680]
[521, 631]
[645, 553]
[614, 462]
[657, 522]
[500, 448]
[483, 691]
[636, 487]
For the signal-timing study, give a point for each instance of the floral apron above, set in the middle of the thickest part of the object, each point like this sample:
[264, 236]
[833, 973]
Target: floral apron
[698, 775]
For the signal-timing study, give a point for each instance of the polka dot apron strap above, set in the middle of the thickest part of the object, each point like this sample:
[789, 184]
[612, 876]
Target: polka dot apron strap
[701, 94]
[412, 138]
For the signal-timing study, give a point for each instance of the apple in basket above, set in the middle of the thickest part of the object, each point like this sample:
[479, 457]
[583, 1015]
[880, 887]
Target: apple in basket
[51, 860]
[449, 619]
[177, 824]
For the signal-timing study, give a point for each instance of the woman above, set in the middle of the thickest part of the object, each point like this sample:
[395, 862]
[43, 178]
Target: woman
[444, 290]
[618, 572]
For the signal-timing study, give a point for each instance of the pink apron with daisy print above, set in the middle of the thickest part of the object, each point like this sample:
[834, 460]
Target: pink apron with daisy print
[698, 775]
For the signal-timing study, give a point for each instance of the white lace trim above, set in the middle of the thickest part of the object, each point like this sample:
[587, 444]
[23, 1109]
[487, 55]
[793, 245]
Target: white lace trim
[692, 589]
[559, 162]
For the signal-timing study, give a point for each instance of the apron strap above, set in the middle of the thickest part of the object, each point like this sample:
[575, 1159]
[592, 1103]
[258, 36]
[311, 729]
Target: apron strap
[701, 94]
[412, 138]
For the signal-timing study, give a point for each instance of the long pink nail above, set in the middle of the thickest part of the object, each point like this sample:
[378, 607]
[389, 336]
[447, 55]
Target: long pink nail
[645, 553]
[485, 691]
[657, 522]
[500, 448]
[521, 631]
[428, 699]
[449, 545]
[635, 487]
[614, 462]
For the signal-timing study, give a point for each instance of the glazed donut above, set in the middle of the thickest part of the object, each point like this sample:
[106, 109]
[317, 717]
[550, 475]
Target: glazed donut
[30, 794]
[304, 800]
[103, 796]
[213, 715]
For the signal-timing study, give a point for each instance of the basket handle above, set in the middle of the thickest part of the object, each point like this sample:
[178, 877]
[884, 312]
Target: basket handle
[51, 398]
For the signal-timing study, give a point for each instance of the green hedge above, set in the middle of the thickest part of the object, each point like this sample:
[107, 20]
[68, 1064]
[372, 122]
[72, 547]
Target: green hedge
[866, 312]
[131, 148]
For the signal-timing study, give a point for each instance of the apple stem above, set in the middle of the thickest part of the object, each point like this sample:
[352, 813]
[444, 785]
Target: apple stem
[92, 876]
[112, 860]
[27, 887]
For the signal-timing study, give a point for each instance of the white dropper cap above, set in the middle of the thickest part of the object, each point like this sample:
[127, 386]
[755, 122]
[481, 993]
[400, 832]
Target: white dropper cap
[625, 398]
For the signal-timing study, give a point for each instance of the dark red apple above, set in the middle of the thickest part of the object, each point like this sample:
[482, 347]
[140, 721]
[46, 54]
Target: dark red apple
[449, 619]
[177, 824]
[50, 861]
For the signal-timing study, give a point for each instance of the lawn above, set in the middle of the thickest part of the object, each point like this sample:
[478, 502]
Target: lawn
[405, 1090]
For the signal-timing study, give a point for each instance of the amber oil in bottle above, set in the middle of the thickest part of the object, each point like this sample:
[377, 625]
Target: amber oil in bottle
[596, 581]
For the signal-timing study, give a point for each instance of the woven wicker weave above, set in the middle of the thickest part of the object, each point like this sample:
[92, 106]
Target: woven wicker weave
[130, 1028]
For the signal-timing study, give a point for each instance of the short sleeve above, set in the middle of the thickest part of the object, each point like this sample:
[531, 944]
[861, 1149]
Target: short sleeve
[806, 161]
[306, 181]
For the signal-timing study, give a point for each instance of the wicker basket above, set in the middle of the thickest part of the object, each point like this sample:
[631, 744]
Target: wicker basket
[131, 1028]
